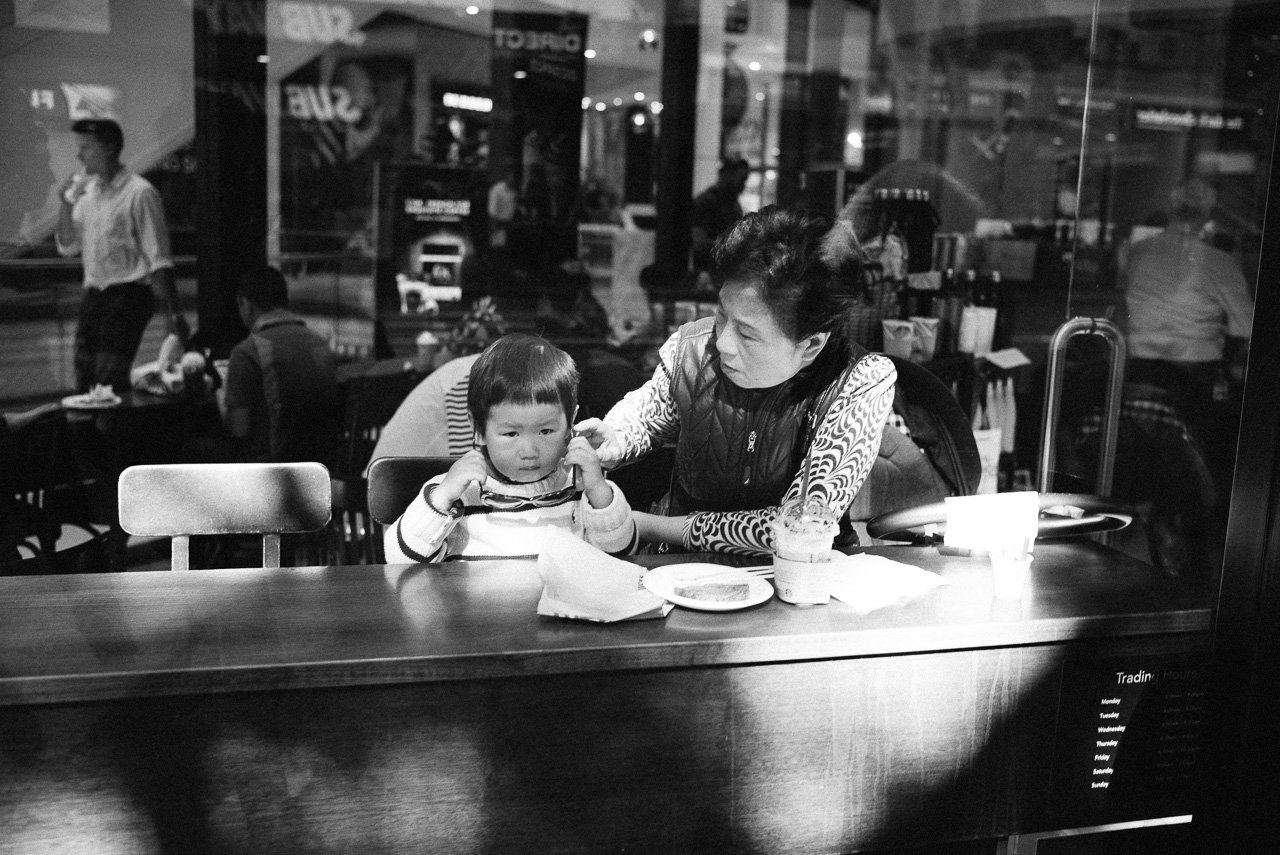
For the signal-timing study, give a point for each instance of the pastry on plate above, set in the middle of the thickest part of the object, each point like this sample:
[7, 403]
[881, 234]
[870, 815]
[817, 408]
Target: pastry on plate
[715, 592]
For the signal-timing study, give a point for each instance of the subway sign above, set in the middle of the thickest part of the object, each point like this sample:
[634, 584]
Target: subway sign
[539, 41]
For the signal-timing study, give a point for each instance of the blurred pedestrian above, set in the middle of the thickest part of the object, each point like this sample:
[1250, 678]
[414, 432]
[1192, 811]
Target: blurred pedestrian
[717, 208]
[114, 220]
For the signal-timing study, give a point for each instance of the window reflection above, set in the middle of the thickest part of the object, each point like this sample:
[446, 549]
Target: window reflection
[1044, 141]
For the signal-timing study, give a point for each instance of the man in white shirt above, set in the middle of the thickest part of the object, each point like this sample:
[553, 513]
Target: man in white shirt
[1189, 320]
[114, 219]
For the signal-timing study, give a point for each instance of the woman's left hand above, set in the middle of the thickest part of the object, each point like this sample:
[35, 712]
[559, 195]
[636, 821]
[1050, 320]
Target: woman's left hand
[603, 439]
[658, 529]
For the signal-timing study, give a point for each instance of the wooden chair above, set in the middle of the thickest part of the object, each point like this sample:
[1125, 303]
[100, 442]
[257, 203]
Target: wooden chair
[352, 537]
[187, 499]
[648, 479]
[394, 481]
[370, 403]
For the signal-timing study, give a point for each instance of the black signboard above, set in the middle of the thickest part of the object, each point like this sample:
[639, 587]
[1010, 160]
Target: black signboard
[1129, 739]
[431, 229]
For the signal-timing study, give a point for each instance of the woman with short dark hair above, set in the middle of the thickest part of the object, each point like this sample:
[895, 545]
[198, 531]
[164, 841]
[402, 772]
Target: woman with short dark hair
[770, 385]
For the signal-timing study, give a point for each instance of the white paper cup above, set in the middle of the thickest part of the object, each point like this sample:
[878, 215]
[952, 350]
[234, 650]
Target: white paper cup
[899, 338]
[1009, 575]
[977, 329]
[926, 337]
[804, 583]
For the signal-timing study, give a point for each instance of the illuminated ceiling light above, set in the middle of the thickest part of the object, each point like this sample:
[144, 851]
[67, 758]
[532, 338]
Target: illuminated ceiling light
[656, 107]
[759, 96]
[473, 10]
[753, 65]
[263, 58]
[854, 139]
[770, 175]
[639, 96]
[589, 53]
[649, 40]
[586, 103]
[1111, 137]
[520, 75]
[638, 120]
[600, 106]
[617, 102]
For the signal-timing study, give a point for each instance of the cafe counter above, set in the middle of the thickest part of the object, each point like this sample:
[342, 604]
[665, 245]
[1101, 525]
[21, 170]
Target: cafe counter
[429, 708]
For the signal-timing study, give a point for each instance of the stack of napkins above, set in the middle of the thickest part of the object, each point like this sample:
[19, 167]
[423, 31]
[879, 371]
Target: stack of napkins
[999, 522]
[869, 582]
[580, 581]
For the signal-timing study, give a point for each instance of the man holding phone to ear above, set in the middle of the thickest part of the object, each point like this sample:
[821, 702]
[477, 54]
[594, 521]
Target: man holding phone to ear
[113, 218]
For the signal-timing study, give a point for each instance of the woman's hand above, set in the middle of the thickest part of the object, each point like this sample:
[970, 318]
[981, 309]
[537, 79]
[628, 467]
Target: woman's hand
[582, 455]
[658, 529]
[603, 438]
[470, 467]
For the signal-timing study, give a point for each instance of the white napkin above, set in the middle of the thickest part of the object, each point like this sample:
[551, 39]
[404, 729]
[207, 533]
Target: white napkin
[870, 582]
[582, 582]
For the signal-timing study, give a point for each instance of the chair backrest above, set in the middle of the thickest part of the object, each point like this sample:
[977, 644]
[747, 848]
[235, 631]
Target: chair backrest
[186, 499]
[394, 481]
[352, 537]
[939, 426]
[902, 476]
[648, 479]
[370, 402]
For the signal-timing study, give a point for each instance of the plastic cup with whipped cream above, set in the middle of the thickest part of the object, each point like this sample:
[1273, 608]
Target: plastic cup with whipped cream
[803, 533]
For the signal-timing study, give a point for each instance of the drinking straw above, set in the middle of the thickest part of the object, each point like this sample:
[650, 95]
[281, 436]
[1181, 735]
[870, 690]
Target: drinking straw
[804, 488]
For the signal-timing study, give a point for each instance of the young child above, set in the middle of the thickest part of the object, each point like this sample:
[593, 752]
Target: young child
[526, 472]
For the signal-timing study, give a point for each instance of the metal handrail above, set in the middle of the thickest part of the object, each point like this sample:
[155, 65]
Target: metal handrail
[1111, 408]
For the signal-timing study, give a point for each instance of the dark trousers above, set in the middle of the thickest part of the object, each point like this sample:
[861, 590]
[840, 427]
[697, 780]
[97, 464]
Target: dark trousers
[112, 321]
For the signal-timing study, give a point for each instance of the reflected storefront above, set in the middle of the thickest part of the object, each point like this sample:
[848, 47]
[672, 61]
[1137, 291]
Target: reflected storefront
[401, 159]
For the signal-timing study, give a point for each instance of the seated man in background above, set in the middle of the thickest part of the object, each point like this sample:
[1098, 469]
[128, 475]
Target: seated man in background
[281, 392]
[1189, 319]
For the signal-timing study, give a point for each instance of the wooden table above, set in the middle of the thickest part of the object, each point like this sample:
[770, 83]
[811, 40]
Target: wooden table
[428, 708]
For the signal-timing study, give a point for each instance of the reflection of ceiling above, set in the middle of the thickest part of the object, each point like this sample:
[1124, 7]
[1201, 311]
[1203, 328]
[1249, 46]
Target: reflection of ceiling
[914, 18]
[619, 69]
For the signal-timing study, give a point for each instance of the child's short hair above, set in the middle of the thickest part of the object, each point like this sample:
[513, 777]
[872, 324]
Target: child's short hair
[521, 369]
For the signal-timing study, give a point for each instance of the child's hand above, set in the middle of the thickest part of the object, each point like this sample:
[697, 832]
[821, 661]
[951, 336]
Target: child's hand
[583, 456]
[470, 467]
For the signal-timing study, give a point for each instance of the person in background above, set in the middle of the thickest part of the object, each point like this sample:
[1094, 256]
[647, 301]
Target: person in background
[571, 316]
[432, 419]
[281, 401]
[1189, 317]
[773, 379]
[114, 220]
[527, 472]
[717, 208]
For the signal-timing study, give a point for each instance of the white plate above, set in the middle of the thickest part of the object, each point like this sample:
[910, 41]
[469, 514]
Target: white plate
[663, 581]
